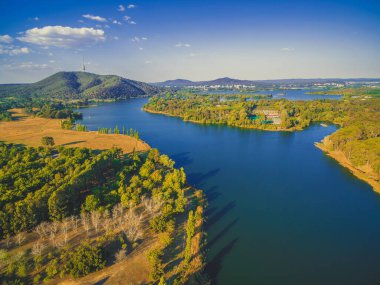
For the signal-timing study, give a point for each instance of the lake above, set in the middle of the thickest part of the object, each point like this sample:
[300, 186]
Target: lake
[280, 211]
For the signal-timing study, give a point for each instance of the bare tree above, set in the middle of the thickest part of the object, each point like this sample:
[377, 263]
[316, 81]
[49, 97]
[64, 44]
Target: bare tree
[152, 205]
[54, 227]
[75, 222]
[85, 219]
[42, 229]
[117, 215]
[65, 227]
[95, 219]
[8, 240]
[131, 225]
[107, 221]
[37, 248]
[133, 233]
[20, 238]
[120, 255]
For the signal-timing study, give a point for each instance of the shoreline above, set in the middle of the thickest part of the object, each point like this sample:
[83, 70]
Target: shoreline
[337, 156]
[200, 123]
[343, 161]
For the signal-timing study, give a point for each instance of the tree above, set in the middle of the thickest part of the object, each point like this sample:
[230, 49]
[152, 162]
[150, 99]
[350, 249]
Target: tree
[95, 219]
[47, 141]
[20, 237]
[92, 203]
[85, 259]
[162, 281]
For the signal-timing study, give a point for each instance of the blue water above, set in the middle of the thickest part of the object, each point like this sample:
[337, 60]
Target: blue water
[280, 211]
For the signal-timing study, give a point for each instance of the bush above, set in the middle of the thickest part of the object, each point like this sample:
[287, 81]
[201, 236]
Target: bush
[83, 260]
[154, 258]
[52, 269]
[47, 141]
[159, 224]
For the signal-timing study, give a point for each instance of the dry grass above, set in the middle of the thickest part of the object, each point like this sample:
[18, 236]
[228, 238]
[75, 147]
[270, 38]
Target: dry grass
[29, 131]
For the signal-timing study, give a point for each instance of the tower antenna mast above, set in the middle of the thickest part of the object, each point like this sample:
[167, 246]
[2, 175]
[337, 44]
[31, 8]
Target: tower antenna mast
[84, 67]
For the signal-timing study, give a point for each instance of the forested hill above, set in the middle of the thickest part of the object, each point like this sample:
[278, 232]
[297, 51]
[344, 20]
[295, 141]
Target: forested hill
[80, 85]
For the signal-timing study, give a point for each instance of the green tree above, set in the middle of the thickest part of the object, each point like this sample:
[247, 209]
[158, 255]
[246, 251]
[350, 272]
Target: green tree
[85, 259]
[47, 141]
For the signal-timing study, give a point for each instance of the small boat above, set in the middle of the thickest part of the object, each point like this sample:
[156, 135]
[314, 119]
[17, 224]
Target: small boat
[323, 125]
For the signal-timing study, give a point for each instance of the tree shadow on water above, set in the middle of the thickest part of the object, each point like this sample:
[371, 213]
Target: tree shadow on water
[214, 266]
[182, 159]
[218, 215]
[198, 178]
[212, 194]
[224, 231]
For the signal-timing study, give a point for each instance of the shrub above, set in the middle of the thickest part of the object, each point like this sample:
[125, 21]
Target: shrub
[83, 260]
[159, 224]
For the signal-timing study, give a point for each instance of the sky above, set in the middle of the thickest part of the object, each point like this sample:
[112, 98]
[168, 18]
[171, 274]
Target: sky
[151, 40]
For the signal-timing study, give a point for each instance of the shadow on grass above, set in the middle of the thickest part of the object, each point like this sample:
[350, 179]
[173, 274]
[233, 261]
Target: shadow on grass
[102, 281]
[71, 143]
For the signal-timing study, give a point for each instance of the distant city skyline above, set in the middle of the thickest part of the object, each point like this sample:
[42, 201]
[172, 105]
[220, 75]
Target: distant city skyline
[155, 41]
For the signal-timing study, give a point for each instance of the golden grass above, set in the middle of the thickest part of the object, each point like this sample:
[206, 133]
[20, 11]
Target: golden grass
[29, 131]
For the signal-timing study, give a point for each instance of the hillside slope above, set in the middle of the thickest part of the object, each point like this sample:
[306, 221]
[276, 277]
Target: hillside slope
[80, 85]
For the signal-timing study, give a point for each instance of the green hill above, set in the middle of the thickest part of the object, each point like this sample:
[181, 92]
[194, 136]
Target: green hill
[80, 85]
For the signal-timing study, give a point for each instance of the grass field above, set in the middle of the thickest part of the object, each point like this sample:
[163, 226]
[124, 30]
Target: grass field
[29, 131]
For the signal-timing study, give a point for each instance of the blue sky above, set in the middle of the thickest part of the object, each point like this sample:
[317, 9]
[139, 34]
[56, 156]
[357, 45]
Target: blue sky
[151, 40]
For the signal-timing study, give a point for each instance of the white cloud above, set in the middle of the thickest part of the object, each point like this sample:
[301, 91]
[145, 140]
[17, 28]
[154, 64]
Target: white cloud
[6, 39]
[140, 48]
[132, 22]
[59, 36]
[115, 38]
[52, 61]
[14, 50]
[137, 39]
[121, 8]
[126, 18]
[25, 66]
[36, 19]
[287, 49]
[30, 65]
[50, 54]
[23, 50]
[95, 18]
[131, 6]
[179, 45]
[192, 54]
[116, 22]
[148, 62]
